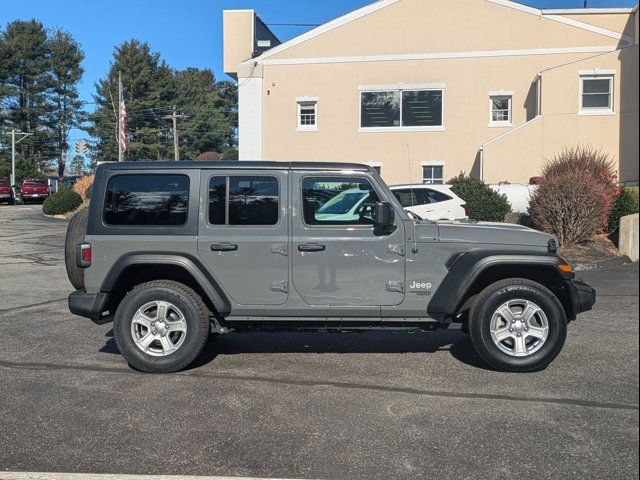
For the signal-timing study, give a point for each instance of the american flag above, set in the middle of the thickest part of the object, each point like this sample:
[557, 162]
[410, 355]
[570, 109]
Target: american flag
[122, 120]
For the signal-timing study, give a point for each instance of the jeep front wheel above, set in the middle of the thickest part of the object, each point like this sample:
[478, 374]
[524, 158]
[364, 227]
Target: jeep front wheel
[161, 326]
[517, 325]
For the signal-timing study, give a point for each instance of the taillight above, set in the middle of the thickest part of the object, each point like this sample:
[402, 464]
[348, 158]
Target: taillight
[83, 255]
[467, 210]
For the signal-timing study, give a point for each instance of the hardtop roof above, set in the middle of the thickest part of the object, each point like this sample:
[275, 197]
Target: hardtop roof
[233, 165]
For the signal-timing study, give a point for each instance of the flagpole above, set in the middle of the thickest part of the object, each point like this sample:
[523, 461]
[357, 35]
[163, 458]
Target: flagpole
[119, 117]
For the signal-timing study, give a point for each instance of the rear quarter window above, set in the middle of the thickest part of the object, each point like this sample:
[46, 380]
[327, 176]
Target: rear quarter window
[154, 199]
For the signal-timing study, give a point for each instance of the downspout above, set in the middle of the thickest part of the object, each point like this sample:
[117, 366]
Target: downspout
[539, 95]
[481, 151]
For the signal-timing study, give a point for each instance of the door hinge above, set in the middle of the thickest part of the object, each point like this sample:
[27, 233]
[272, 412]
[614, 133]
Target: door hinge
[279, 286]
[279, 248]
[395, 286]
[396, 248]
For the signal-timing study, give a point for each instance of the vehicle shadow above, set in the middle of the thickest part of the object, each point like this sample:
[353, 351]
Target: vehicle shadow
[377, 342]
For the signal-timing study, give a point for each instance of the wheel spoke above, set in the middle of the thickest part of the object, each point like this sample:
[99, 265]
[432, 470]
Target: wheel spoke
[502, 334]
[142, 319]
[161, 314]
[167, 346]
[538, 332]
[506, 313]
[147, 340]
[178, 326]
[529, 312]
[520, 346]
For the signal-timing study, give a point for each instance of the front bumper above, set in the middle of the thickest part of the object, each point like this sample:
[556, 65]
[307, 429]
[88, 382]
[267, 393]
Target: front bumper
[583, 297]
[89, 305]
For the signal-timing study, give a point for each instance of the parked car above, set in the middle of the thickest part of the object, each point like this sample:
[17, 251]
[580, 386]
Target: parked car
[69, 181]
[518, 195]
[34, 189]
[258, 251]
[431, 202]
[6, 192]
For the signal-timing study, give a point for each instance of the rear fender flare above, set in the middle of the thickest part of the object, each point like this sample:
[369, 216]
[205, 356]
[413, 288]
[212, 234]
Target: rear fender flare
[189, 263]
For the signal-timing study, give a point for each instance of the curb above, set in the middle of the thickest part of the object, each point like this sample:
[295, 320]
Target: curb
[94, 476]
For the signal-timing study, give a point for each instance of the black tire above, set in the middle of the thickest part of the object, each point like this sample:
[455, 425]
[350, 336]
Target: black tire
[76, 230]
[196, 316]
[490, 299]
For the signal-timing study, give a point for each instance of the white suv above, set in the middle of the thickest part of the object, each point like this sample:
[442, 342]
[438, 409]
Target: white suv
[431, 202]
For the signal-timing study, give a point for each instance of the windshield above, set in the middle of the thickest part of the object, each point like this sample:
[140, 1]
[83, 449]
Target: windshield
[344, 202]
[3, 183]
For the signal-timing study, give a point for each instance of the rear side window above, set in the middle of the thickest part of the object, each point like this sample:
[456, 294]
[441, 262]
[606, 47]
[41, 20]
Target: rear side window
[243, 200]
[155, 199]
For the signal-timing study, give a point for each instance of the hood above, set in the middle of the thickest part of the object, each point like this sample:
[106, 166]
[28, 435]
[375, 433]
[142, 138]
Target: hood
[487, 233]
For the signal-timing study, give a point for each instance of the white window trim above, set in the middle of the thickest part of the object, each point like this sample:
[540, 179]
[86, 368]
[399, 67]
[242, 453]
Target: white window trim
[500, 93]
[596, 74]
[299, 102]
[431, 163]
[400, 87]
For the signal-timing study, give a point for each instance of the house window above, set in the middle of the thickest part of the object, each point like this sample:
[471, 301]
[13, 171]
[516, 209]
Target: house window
[596, 94]
[433, 174]
[307, 114]
[500, 109]
[402, 108]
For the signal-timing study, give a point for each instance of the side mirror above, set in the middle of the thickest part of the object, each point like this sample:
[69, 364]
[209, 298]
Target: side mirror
[383, 214]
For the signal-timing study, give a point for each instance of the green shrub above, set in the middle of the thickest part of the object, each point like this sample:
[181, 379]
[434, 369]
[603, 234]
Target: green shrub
[625, 204]
[88, 192]
[485, 205]
[63, 201]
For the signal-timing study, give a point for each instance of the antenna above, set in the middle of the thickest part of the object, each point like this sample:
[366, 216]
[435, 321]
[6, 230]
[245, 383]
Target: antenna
[414, 250]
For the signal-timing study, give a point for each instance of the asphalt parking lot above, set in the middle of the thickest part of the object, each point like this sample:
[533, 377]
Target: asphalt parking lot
[293, 405]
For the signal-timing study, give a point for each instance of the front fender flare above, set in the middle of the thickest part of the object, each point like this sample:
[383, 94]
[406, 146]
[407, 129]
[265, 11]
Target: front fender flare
[451, 293]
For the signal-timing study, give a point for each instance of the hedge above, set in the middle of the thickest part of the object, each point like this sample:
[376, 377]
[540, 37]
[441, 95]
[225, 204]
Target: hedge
[625, 204]
[61, 202]
[485, 204]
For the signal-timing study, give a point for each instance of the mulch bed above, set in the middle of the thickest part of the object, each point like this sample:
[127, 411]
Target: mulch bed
[595, 253]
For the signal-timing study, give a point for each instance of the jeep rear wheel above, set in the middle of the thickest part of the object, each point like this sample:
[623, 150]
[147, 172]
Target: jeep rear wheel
[161, 326]
[517, 325]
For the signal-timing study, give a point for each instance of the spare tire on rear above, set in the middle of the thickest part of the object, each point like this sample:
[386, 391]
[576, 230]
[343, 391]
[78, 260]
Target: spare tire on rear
[76, 231]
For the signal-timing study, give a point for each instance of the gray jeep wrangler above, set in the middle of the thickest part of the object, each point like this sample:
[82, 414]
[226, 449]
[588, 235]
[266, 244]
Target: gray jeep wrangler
[171, 252]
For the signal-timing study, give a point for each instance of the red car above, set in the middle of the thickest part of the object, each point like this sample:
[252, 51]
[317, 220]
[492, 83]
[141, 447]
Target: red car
[6, 193]
[34, 189]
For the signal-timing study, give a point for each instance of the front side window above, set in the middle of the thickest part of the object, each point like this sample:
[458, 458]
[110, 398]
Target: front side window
[433, 174]
[338, 201]
[401, 108]
[307, 115]
[596, 93]
[243, 200]
[154, 199]
[500, 109]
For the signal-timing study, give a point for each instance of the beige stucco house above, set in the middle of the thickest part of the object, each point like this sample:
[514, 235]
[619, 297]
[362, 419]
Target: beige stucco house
[425, 89]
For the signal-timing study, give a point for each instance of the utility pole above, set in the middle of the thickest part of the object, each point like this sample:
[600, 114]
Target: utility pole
[13, 152]
[174, 117]
[120, 102]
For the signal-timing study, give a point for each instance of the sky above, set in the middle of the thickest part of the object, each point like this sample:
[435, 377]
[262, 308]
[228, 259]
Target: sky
[185, 32]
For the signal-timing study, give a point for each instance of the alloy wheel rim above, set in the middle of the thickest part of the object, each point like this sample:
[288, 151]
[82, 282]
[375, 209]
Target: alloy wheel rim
[158, 328]
[519, 328]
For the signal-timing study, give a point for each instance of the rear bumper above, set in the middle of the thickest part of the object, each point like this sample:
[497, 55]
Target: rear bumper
[89, 305]
[583, 297]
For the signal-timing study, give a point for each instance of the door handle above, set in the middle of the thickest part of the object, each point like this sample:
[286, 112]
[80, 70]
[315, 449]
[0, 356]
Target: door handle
[224, 247]
[311, 247]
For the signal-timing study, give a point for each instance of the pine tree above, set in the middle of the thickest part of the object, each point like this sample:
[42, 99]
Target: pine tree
[39, 75]
[76, 165]
[210, 109]
[151, 90]
[148, 89]
[24, 84]
[66, 73]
